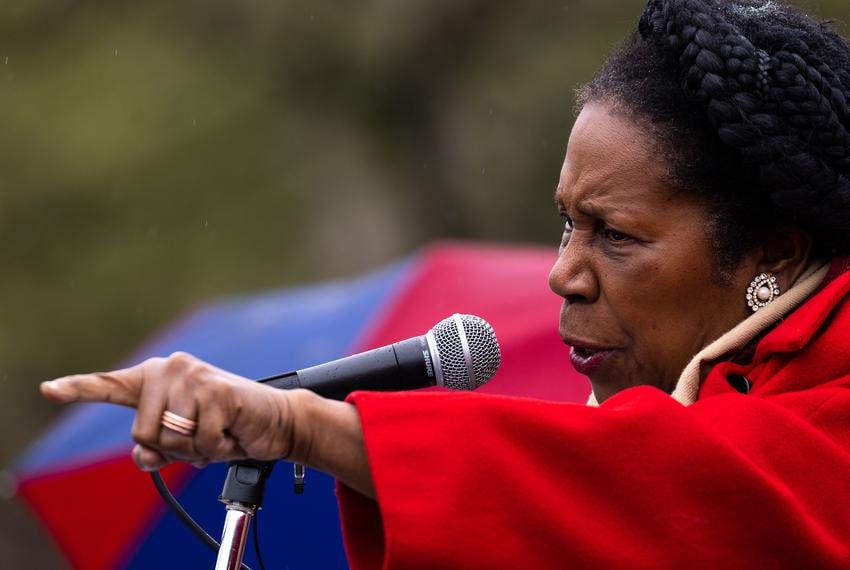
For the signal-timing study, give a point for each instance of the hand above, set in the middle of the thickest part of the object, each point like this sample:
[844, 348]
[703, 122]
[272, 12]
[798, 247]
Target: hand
[236, 417]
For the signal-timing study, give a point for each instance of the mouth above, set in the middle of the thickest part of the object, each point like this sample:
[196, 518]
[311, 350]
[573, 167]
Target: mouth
[586, 359]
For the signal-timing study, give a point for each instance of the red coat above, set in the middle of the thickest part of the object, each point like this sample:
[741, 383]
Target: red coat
[733, 481]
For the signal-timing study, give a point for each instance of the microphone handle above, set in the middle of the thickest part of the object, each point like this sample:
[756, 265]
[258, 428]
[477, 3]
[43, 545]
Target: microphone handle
[404, 365]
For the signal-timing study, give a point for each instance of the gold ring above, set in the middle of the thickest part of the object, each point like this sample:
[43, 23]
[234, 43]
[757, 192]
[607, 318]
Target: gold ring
[179, 424]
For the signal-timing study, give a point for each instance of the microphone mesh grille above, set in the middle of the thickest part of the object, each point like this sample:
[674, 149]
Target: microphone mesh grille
[483, 349]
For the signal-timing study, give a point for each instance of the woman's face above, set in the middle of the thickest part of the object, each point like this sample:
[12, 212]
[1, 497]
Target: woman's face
[635, 264]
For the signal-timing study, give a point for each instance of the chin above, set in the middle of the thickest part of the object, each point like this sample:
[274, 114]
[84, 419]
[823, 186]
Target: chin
[604, 391]
[606, 383]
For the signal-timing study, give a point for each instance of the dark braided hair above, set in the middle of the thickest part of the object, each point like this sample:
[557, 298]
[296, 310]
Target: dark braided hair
[748, 101]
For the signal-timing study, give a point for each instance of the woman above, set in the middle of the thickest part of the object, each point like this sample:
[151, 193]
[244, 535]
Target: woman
[705, 282]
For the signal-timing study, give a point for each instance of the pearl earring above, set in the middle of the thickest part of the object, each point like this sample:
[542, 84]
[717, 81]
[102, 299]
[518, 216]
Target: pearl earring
[762, 291]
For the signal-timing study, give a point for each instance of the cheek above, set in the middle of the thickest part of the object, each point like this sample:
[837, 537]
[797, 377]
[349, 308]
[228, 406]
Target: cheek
[648, 295]
[669, 311]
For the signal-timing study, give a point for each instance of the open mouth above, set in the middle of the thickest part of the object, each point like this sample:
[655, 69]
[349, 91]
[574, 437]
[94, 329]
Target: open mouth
[587, 360]
[582, 352]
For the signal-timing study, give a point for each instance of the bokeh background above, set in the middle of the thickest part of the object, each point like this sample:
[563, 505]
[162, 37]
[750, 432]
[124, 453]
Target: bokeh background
[155, 155]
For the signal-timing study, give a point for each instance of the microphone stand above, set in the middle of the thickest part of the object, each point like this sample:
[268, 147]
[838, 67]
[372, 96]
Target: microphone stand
[412, 363]
[243, 496]
[243, 492]
[377, 369]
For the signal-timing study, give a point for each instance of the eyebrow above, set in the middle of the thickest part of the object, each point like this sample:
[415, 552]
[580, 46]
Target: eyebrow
[588, 209]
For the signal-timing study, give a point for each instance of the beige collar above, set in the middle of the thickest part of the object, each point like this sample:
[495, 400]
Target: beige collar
[687, 387]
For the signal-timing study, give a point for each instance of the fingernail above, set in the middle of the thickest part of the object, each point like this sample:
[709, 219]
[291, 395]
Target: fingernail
[53, 389]
[137, 459]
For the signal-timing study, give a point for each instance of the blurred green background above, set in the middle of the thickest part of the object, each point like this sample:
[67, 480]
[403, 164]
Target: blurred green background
[158, 154]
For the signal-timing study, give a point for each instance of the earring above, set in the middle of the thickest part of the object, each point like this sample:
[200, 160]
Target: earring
[762, 291]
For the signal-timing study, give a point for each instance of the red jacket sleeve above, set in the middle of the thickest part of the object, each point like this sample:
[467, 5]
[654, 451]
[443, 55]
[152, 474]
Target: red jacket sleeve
[474, 481]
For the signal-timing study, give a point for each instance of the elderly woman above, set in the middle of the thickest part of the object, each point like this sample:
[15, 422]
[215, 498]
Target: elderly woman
[706, 208]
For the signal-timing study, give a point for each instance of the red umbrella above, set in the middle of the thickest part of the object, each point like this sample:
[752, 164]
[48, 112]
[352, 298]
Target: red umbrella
[80, 482]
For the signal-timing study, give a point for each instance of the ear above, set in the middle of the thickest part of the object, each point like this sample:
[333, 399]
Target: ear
[786, 254]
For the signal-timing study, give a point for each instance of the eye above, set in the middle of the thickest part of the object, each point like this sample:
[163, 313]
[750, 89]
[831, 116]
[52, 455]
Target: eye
[614, 236]
[568, 229]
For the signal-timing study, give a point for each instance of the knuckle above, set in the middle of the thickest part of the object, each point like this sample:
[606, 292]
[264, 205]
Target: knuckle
[154, 361]
[227, 449]
[177, 446]
[197, 375]
[143, 436]
[189, 369]
[180, 360]
[260, 450]
[205, 445]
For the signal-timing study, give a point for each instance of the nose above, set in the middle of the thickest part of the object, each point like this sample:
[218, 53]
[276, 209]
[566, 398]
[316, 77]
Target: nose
[573, 276]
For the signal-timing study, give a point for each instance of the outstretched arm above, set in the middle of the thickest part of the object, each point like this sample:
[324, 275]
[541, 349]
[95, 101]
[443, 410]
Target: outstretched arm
[236, 418]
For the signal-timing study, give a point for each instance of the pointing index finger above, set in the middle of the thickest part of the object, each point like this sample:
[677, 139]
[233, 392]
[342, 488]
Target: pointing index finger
[117, 387]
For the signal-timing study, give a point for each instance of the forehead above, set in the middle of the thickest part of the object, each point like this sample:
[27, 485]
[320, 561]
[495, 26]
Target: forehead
[612, 158]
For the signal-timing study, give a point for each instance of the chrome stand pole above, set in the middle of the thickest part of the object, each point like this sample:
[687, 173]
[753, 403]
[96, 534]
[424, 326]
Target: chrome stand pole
[233, 537]
[242, 494]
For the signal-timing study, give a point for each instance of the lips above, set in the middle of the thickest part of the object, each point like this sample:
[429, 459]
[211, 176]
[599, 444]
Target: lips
[586, 360]
[587, 357]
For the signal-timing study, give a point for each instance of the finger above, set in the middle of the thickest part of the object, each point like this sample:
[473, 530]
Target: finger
[147, 425]
[184, 389]
[148, 459]
[117, 387]
[173, 443]
[212, 440]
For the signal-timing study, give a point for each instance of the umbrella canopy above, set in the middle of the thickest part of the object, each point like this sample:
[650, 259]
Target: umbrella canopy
[79, 479]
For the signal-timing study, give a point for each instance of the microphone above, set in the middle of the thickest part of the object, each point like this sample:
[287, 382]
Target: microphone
[459, 353]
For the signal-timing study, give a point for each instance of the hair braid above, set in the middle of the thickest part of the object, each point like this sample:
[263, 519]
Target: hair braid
[778, 103]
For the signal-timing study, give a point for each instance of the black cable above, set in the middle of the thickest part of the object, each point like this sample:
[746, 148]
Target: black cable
[257, 541]
[181, 513]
